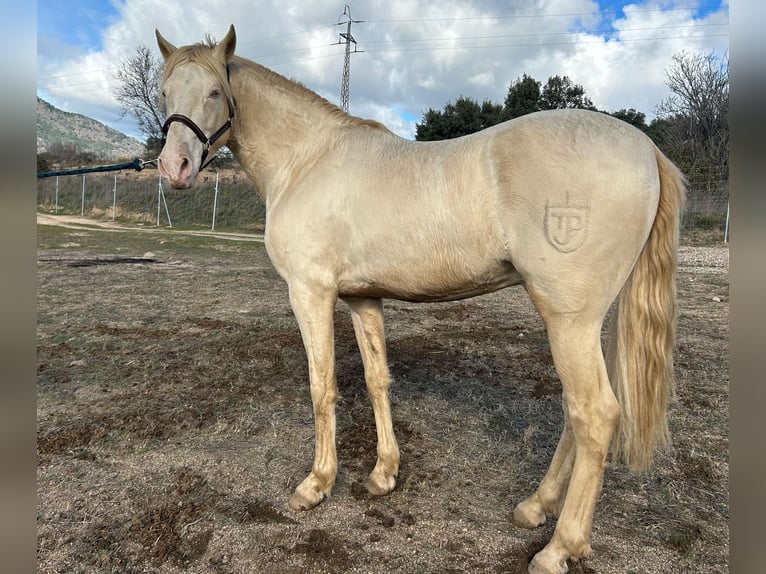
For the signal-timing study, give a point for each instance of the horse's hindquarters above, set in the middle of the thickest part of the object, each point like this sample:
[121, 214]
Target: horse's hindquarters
[577, 196]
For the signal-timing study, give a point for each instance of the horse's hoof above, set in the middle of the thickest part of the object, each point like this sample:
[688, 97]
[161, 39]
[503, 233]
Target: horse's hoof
[528, 515]
[299, 503]
[305, 499]
[378, 485]
[545, 564]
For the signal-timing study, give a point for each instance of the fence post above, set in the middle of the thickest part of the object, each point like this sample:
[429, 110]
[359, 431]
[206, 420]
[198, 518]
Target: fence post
[114, 197]
[57, 195]
[167, 212]
[215, 199]
[160, 200]
[82, 201]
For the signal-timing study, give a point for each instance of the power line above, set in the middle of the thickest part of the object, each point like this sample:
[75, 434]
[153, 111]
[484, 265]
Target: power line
[70, 89]
[413, 40]
[533, 44]
[395, 49]
[711, 6]
[49, 82]
[536, 34]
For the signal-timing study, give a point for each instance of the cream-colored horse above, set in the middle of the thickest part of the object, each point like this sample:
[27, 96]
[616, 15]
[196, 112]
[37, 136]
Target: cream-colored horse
[577, 207]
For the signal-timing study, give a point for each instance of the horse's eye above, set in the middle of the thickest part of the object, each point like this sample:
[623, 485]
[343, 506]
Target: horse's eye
[215, 93]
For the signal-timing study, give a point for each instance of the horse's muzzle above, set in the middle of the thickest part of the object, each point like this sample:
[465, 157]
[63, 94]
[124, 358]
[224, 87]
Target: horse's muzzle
[178, 168]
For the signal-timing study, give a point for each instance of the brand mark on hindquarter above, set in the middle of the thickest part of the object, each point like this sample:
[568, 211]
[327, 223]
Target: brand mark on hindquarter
[566, 225]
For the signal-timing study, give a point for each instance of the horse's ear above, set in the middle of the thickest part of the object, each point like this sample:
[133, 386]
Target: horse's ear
[225, 48]
[166, 48]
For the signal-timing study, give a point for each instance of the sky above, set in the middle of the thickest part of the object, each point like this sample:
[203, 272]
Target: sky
[412, 54]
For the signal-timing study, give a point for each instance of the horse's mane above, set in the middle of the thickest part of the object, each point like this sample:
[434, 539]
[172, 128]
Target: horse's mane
[309, 96]
[202, 53]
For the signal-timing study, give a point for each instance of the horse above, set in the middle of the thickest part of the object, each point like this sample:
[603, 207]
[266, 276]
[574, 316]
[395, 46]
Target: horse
[577, 207]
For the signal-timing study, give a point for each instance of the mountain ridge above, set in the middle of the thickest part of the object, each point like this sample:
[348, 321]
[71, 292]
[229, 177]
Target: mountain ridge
[57, 126]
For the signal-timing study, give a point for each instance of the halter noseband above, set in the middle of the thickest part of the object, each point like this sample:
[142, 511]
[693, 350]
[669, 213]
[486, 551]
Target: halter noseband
[189, 123]
[206, 141]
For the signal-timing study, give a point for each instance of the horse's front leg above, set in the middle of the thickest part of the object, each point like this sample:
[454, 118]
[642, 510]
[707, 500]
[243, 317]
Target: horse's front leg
[313, 308]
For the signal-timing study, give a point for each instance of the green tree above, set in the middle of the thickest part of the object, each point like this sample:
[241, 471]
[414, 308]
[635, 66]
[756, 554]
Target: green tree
[633, 117]
[561, 93]
[44, 162]
[523, 97]
[465, 116]
[66, 153]
[659, 130]
[491, 114]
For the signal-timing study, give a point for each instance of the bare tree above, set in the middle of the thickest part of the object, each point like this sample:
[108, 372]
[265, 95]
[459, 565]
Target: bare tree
[698, 112]
[138, 91]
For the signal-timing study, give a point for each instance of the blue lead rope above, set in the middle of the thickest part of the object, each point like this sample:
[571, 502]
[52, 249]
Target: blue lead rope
[136, 164]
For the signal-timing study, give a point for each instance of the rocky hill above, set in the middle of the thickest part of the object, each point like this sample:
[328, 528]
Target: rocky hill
[55, 125]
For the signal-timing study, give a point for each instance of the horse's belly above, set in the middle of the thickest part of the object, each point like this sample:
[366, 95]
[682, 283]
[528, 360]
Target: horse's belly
[430, 282]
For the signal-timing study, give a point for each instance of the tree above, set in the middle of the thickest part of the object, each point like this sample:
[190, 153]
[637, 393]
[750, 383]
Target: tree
[491, 114]
[526, 96]
[561, 92]
[696, 115]
[464, 117]
[523, 97]
[138, 93]
[633, 117]
[659, 130]
[66, 153]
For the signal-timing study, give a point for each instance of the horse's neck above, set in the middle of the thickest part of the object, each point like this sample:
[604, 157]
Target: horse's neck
[275, 124]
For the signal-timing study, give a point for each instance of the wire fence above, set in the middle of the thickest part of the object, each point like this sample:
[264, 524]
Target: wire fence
[707, 204]
[225, 201]
[228, 201]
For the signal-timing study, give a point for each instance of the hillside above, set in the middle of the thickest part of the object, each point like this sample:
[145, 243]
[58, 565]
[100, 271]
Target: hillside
[55, 125]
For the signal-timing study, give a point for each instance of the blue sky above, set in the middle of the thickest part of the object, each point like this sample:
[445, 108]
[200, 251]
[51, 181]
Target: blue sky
[76, 23]
[418, 53]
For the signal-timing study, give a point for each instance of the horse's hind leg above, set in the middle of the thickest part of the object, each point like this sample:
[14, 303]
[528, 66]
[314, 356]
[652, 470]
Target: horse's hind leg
[550, 493]
[367, 316]
[592, 414]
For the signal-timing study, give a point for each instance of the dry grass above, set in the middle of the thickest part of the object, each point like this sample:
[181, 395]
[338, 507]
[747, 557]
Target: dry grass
[174, 420]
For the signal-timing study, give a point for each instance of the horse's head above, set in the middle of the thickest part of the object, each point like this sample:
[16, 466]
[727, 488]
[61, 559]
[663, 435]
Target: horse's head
[197, 99]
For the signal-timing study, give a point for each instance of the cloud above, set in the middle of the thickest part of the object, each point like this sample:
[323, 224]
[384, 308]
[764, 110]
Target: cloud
[414, 54]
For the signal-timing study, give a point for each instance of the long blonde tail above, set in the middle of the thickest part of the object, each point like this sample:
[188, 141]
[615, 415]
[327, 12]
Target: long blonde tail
[640, 353]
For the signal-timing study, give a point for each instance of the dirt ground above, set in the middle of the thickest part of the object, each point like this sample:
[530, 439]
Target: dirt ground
[174, 421]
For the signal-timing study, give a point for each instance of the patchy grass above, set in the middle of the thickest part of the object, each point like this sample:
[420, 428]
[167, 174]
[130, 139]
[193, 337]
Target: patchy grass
[174, 421]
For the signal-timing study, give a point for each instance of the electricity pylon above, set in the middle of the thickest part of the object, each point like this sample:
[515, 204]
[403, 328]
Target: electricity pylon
[348, 39]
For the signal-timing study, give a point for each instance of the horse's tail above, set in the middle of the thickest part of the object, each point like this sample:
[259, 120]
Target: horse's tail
[640, 355]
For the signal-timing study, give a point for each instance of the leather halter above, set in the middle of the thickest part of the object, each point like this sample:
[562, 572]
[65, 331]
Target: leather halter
[189, 123]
